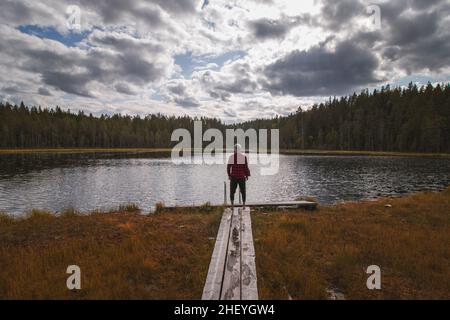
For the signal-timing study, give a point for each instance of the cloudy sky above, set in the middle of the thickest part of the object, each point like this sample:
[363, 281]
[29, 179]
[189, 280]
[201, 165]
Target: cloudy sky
[235, 60]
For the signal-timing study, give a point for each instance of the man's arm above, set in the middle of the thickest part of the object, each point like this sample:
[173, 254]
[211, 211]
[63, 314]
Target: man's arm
[247, 170]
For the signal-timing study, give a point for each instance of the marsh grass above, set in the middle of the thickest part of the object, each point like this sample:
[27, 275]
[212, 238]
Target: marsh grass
[301, 254]
[159, 207]
[6, 218]
[129, 207]
[70, 212]
[122, 255]
[39, 214]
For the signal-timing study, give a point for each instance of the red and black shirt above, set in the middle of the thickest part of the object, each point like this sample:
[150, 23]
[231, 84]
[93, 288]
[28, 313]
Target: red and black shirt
[237, 166]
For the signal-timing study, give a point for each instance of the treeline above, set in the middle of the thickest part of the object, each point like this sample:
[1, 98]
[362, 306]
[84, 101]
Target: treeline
[410, 119]
[35, 127]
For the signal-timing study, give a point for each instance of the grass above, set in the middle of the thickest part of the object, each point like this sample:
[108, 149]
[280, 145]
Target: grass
[129, 207]
[122, 255]
[301, 255]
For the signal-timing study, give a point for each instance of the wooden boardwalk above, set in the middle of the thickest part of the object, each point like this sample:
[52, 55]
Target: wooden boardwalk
[232, 270]
[294, 204]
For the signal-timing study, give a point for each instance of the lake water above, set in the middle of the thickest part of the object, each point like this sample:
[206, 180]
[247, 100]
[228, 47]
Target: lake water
[102, 181]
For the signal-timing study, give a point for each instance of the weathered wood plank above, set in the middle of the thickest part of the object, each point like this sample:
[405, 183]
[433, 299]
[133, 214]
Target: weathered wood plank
[297, 204]
[249, 288]
[213, 283]
[231, 286]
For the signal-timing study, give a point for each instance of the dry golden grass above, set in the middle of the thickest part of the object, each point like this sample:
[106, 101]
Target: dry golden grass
[299, 254]
[302, 254]
[122, 255]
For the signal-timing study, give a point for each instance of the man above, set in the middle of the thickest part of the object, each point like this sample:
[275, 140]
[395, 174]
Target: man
[238, 173]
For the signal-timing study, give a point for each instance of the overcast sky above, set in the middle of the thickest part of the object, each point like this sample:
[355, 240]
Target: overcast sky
[235, 60]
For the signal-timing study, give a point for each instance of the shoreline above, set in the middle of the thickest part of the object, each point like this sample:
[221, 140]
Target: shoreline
[306, 152]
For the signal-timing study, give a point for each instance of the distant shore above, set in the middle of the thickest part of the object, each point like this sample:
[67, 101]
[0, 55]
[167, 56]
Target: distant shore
[169, 150]
[299, 254]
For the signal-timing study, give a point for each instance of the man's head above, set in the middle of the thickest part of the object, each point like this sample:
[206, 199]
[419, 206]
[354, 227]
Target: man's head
[237, 148]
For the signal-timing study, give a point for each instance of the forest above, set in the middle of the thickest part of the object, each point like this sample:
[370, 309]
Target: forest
[411, 119]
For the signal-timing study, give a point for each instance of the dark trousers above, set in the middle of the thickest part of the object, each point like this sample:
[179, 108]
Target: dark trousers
[234, 182]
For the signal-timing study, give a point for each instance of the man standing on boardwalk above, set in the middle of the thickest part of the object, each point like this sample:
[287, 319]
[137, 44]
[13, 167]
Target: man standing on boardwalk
[238, 173]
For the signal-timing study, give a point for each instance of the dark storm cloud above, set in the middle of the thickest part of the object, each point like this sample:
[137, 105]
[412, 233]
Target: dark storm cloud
[268, 29]
[60, 71]
[110, 58]
[240, 85]
[406, 30]
[239, 80]
[11, 89]
[339, 14]
[114, 11]
[123, 43]
[107, 12]
[424, 4]
[417, 40]
[123, 88]
[70, 83]
[146, 12]
[178, 89]
[12, 10]
[224, 96]
[178, 93]
[44, 92]
[414, 34]
[321, 72]
[16, 12]
[264, 28]
[186, 102]
[178, 6]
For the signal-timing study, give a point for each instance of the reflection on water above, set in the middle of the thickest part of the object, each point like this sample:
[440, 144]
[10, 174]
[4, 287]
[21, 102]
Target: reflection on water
[96, 181]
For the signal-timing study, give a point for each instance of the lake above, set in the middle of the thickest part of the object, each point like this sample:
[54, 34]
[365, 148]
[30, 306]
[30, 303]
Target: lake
[102, 181]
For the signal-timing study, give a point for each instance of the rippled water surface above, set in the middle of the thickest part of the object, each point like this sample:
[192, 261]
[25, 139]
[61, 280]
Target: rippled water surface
[88, 182]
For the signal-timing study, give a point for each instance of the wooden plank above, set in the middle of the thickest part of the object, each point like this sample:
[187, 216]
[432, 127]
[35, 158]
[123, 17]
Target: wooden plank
[249, 288]
[231, 286]
[213, 283]
[298, 204]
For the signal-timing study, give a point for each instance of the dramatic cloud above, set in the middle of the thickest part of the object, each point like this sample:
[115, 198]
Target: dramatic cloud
[320, 71]
[418, 40]
[274, 29]
[178, 92]
[44, 92]
[340, 14]
[233, 60]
